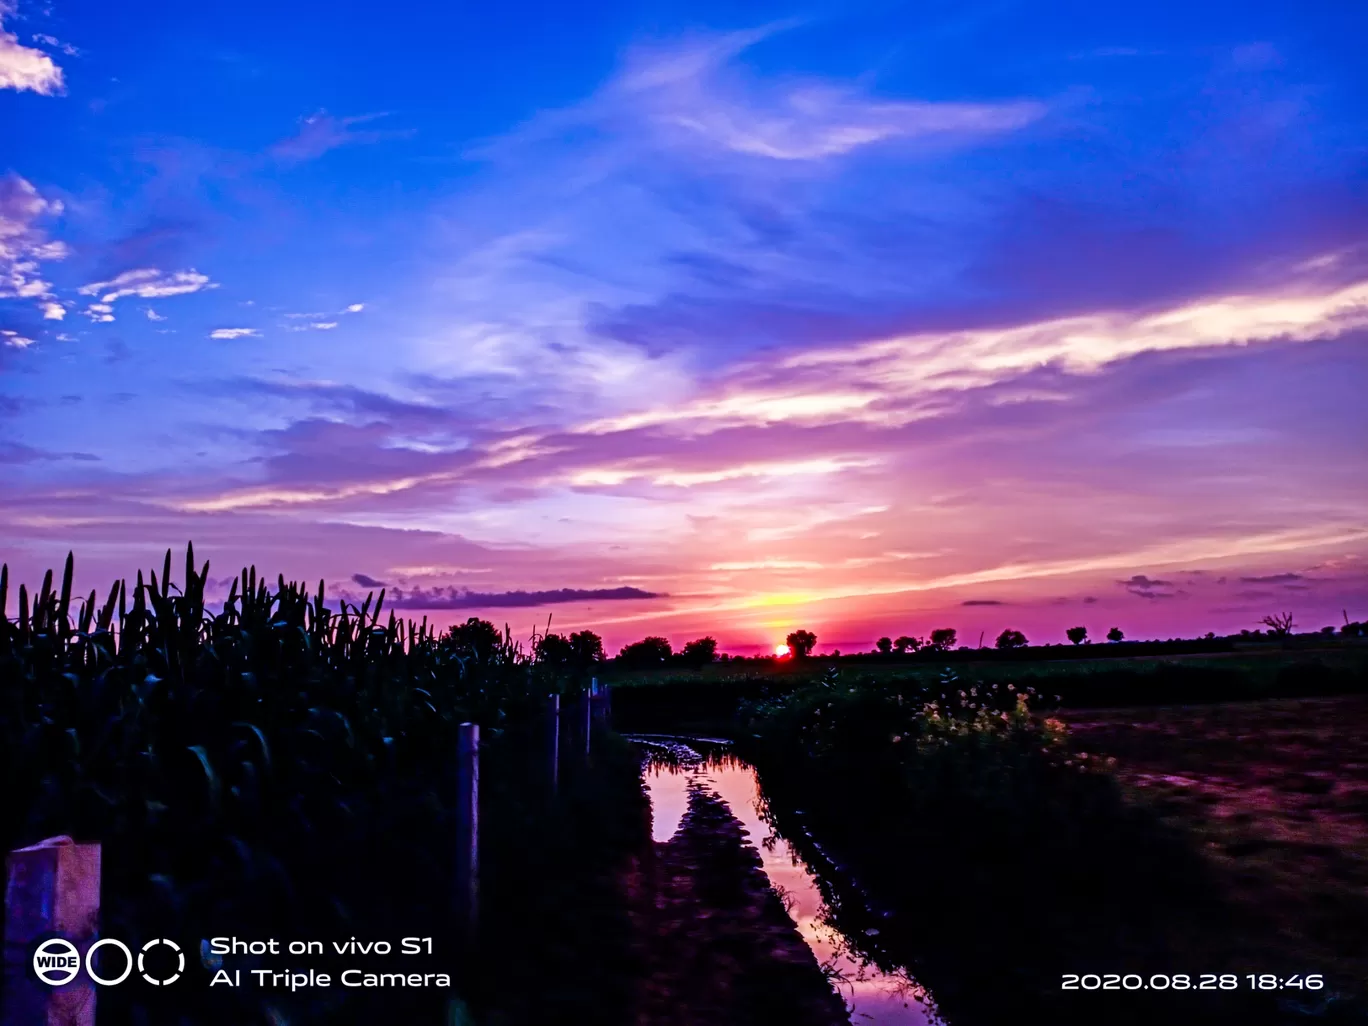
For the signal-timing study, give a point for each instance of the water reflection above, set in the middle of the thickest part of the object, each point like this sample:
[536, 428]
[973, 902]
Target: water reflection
[875, 997]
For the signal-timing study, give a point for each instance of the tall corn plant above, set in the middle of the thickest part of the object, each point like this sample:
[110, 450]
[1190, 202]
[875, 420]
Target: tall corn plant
[271, 764]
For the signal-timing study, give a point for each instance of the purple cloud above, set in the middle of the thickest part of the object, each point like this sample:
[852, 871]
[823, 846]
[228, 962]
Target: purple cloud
[458, 598]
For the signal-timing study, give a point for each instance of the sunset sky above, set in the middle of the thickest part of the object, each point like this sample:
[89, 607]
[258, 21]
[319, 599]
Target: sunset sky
[697, 318]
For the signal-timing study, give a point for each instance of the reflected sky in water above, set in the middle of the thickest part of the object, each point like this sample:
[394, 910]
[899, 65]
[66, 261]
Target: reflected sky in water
[875, 997]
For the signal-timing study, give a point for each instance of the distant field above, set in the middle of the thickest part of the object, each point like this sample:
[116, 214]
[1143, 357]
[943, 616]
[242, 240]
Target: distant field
[1276, 794]
[1253, 658]
[650, 698]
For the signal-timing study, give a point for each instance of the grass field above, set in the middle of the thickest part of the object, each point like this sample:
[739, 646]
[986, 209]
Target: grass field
[1276, 795]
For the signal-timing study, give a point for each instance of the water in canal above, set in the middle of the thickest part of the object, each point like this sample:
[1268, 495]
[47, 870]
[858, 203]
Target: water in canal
[876, 998]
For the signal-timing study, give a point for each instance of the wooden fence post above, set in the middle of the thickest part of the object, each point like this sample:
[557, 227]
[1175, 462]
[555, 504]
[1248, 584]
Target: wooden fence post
[468, 828]
[52, 887]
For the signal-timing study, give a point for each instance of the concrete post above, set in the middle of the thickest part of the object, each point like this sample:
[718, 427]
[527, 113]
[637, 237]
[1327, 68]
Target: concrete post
[553, 740]
[51, 888]
[468, 828]
[598, 696]
[586, 715]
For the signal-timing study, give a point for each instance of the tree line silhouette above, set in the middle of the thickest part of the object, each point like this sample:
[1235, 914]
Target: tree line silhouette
[580, 651]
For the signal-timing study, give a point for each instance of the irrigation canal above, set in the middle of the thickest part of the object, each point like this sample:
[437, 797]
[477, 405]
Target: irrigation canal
[690, 779]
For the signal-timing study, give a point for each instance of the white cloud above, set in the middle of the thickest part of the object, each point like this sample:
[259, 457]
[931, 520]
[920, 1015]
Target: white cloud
[22, 67]
[148, 283]
[15, 340]
[52, 311]
[234, 333]
[152, 315]
[954, 360]
[323, 325]
[899, 380]
[355, 308]
[23, 244]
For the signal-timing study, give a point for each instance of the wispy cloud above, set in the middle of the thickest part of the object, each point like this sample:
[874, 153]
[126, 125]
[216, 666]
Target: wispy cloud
[146, 283]
[24, 243]
[44, 39]
[318, 133]
[697, 91]
[229, 333]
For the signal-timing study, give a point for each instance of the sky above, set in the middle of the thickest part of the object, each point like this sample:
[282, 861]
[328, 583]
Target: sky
[697, 319]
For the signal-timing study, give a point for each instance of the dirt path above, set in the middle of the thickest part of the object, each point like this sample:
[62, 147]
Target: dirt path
[718, 946]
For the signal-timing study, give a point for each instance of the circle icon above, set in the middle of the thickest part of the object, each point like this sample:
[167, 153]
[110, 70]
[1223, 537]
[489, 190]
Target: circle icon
[90, 961]
[56, 961]
[142, 957]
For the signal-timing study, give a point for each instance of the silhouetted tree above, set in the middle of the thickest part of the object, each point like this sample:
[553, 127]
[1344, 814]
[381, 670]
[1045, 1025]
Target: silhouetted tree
[884, 645]
[554, 650]
[1011, 639]
[1280, 624]
[476, 639]
[1077, 635]
[906, 643]
[646, 653]
[698, 653]
[588, 648]
[801, 643]
[943, 638]
[1115, 634]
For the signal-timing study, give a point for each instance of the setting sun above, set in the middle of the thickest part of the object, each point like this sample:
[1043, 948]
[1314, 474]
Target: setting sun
[781, 650]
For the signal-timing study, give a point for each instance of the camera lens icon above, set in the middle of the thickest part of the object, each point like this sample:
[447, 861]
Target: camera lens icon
[56, 961]
[142, 962]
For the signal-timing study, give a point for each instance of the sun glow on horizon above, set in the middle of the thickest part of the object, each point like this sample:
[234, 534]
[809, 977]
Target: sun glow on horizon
[781, 650]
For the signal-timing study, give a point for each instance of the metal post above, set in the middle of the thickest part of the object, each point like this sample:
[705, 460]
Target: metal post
[553, 740]
[468, 827]
[51, 888]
